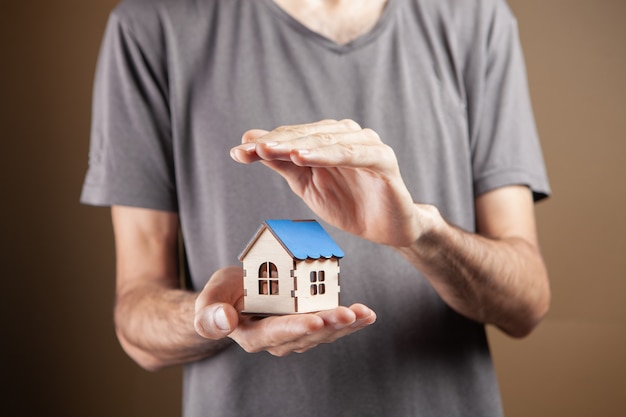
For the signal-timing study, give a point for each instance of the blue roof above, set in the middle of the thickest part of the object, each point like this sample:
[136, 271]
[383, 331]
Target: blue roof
[304, 239]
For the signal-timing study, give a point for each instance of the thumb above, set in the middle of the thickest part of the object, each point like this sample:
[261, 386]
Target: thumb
[216, 321]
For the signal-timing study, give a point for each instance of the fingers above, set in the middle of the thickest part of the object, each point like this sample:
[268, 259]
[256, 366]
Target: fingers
[338, 323]
[246, 153]
[271, 333]
[288, 132]
[217, 317]
[348, 151]
[325, 143]
[283, 335]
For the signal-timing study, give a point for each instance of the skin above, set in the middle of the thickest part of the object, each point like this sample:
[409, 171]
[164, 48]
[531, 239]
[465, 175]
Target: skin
[496, 276]
[341, 21]
[158, 324]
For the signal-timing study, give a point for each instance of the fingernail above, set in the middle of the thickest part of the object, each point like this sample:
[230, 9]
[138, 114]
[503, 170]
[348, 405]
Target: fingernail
[271, 144]
[248, 147]
[303, 151]
[220, 319]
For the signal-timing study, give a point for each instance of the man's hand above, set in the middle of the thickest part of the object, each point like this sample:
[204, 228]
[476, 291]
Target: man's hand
[218, 315]
[351, 179]
[344, 173]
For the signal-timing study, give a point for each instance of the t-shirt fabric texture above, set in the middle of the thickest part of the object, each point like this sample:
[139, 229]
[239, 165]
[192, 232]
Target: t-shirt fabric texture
[441, 81]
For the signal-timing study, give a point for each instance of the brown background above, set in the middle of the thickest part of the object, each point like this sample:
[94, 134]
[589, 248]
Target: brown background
[59, 353]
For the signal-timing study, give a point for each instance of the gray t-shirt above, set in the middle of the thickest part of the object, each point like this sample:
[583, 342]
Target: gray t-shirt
[441, 81]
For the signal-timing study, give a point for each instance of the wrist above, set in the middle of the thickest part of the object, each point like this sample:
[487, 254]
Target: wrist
[429, 226]
[429, 223]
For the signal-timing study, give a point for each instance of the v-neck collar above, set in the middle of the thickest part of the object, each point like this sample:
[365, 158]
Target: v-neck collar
[362, 40]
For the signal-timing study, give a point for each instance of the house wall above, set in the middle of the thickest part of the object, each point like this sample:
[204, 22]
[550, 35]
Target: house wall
[268, 249]
[308, 302]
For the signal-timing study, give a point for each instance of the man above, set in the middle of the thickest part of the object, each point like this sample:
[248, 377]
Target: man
[404, 125]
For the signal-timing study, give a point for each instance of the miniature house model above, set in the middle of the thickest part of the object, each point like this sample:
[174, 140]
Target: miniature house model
[290, 266]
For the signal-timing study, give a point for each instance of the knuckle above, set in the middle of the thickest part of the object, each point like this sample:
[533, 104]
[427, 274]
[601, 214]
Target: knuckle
[371, 135]
[271, 341]
[326, 138]
[283, 128]
[387, 149]
[350, 124]
[291, 130]
[348, 150]
[389, 152]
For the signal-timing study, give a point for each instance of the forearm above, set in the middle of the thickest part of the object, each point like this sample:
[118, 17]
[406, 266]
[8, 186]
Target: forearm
[498, 281]
[155, 326]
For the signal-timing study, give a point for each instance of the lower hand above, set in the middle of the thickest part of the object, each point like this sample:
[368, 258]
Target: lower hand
[218, 315]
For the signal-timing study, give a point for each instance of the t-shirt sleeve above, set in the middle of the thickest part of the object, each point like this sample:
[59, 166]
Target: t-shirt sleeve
[503, 136]
[130, 156]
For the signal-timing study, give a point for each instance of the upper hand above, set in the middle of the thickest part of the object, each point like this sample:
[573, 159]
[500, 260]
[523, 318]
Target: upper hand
[344, 173]
[218, 315]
